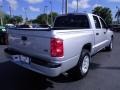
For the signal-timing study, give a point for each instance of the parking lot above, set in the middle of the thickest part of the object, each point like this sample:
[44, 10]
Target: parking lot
[104, 74]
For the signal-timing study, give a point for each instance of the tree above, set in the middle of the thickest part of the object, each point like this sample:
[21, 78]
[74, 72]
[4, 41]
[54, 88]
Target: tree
[16, 19]
[7, 19]
[54, 15]
[1, 17]
[117, 15]
[45, 19]
[103, 12]
[41, 19]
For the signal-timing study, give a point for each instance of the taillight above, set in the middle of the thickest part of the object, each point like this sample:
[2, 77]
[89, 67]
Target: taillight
[57, 49]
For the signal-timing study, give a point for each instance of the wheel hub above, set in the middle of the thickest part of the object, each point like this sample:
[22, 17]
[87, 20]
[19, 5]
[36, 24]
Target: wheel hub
[85, 64]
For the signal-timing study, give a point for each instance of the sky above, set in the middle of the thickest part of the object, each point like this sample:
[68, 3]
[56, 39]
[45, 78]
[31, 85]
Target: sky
[34, 8]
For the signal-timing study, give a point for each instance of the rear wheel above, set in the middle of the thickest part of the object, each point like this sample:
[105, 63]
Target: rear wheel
[82, 68]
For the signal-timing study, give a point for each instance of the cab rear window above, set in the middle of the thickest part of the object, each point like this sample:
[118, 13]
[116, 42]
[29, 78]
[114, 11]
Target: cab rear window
[73, 21]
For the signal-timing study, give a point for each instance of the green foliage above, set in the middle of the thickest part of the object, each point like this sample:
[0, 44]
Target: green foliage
[6, 19]
[103, 12]
[54, 15]
[41, 19]
[16, 19]
[13, 20]
[45, 19]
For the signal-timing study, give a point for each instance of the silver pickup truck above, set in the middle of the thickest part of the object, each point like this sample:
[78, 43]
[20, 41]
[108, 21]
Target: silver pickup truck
[67, 46]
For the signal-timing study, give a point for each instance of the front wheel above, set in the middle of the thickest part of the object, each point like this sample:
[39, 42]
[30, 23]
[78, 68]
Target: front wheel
[110, 47]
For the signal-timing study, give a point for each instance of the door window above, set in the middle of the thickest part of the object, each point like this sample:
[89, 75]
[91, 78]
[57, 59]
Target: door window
[103, 24]
[97, 23]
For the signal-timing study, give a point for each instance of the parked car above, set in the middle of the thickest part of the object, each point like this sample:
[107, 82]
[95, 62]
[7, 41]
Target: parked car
[67, 46]
[3, 36]
[9, 25]
[116, 27]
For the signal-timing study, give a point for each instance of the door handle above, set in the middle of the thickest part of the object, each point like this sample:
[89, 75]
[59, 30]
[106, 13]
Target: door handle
[105, 32]
[97, 33]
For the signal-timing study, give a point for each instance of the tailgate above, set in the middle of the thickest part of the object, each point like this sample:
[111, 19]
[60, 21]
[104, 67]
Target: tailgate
[32, 42]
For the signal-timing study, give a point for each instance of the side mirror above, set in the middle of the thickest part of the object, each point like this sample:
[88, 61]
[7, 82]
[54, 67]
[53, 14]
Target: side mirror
[108, 27]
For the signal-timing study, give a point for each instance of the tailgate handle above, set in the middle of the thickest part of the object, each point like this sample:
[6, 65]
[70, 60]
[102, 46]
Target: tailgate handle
[97, 33]
[24, 38]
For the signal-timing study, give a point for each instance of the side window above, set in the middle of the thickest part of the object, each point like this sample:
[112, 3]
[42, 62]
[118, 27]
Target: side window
[97, 23]
[103, 23]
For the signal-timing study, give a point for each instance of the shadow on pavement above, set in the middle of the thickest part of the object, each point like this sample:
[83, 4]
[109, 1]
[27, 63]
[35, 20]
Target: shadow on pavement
[93, 66]
[13, 77]
[67, 78]
[97, 66]
[64, 79]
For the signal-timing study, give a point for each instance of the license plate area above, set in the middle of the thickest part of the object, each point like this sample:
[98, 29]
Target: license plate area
[21, 58]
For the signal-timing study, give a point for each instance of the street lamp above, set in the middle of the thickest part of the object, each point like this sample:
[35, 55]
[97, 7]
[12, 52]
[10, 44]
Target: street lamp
[26, 14]
[45, 11]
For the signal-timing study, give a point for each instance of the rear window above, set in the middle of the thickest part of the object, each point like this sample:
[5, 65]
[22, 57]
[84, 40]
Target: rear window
[73, 21]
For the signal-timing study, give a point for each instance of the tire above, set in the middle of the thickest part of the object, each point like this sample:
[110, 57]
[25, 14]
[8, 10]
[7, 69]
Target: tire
[82, 67]
[110, 47]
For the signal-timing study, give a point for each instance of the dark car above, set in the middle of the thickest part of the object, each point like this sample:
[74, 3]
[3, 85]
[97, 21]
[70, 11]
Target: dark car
[3, 36]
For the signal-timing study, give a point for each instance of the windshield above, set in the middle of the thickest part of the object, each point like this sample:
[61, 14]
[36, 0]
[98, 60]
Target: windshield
[74, 21]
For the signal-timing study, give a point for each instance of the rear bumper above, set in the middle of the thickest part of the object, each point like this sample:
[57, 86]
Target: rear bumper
[51, 69]
[34, 60]
[38, 65]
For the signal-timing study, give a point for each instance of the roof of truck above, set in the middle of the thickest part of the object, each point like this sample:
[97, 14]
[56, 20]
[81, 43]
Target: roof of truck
[82, 13]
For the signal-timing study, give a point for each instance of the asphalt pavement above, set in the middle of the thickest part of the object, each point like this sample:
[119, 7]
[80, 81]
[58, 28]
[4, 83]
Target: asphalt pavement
[104, 74]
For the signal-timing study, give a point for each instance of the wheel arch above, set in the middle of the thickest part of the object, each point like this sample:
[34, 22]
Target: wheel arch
[88, 47]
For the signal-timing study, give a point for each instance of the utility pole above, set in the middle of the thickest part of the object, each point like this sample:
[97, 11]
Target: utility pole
[26, 17]
[51, 13]
[10, 11]
[45, 10]
[63, 6]
[77, 6]
[66, 6]
[1, 16]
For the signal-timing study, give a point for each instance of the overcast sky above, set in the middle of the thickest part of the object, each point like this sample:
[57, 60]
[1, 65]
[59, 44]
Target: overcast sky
[36, 7]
